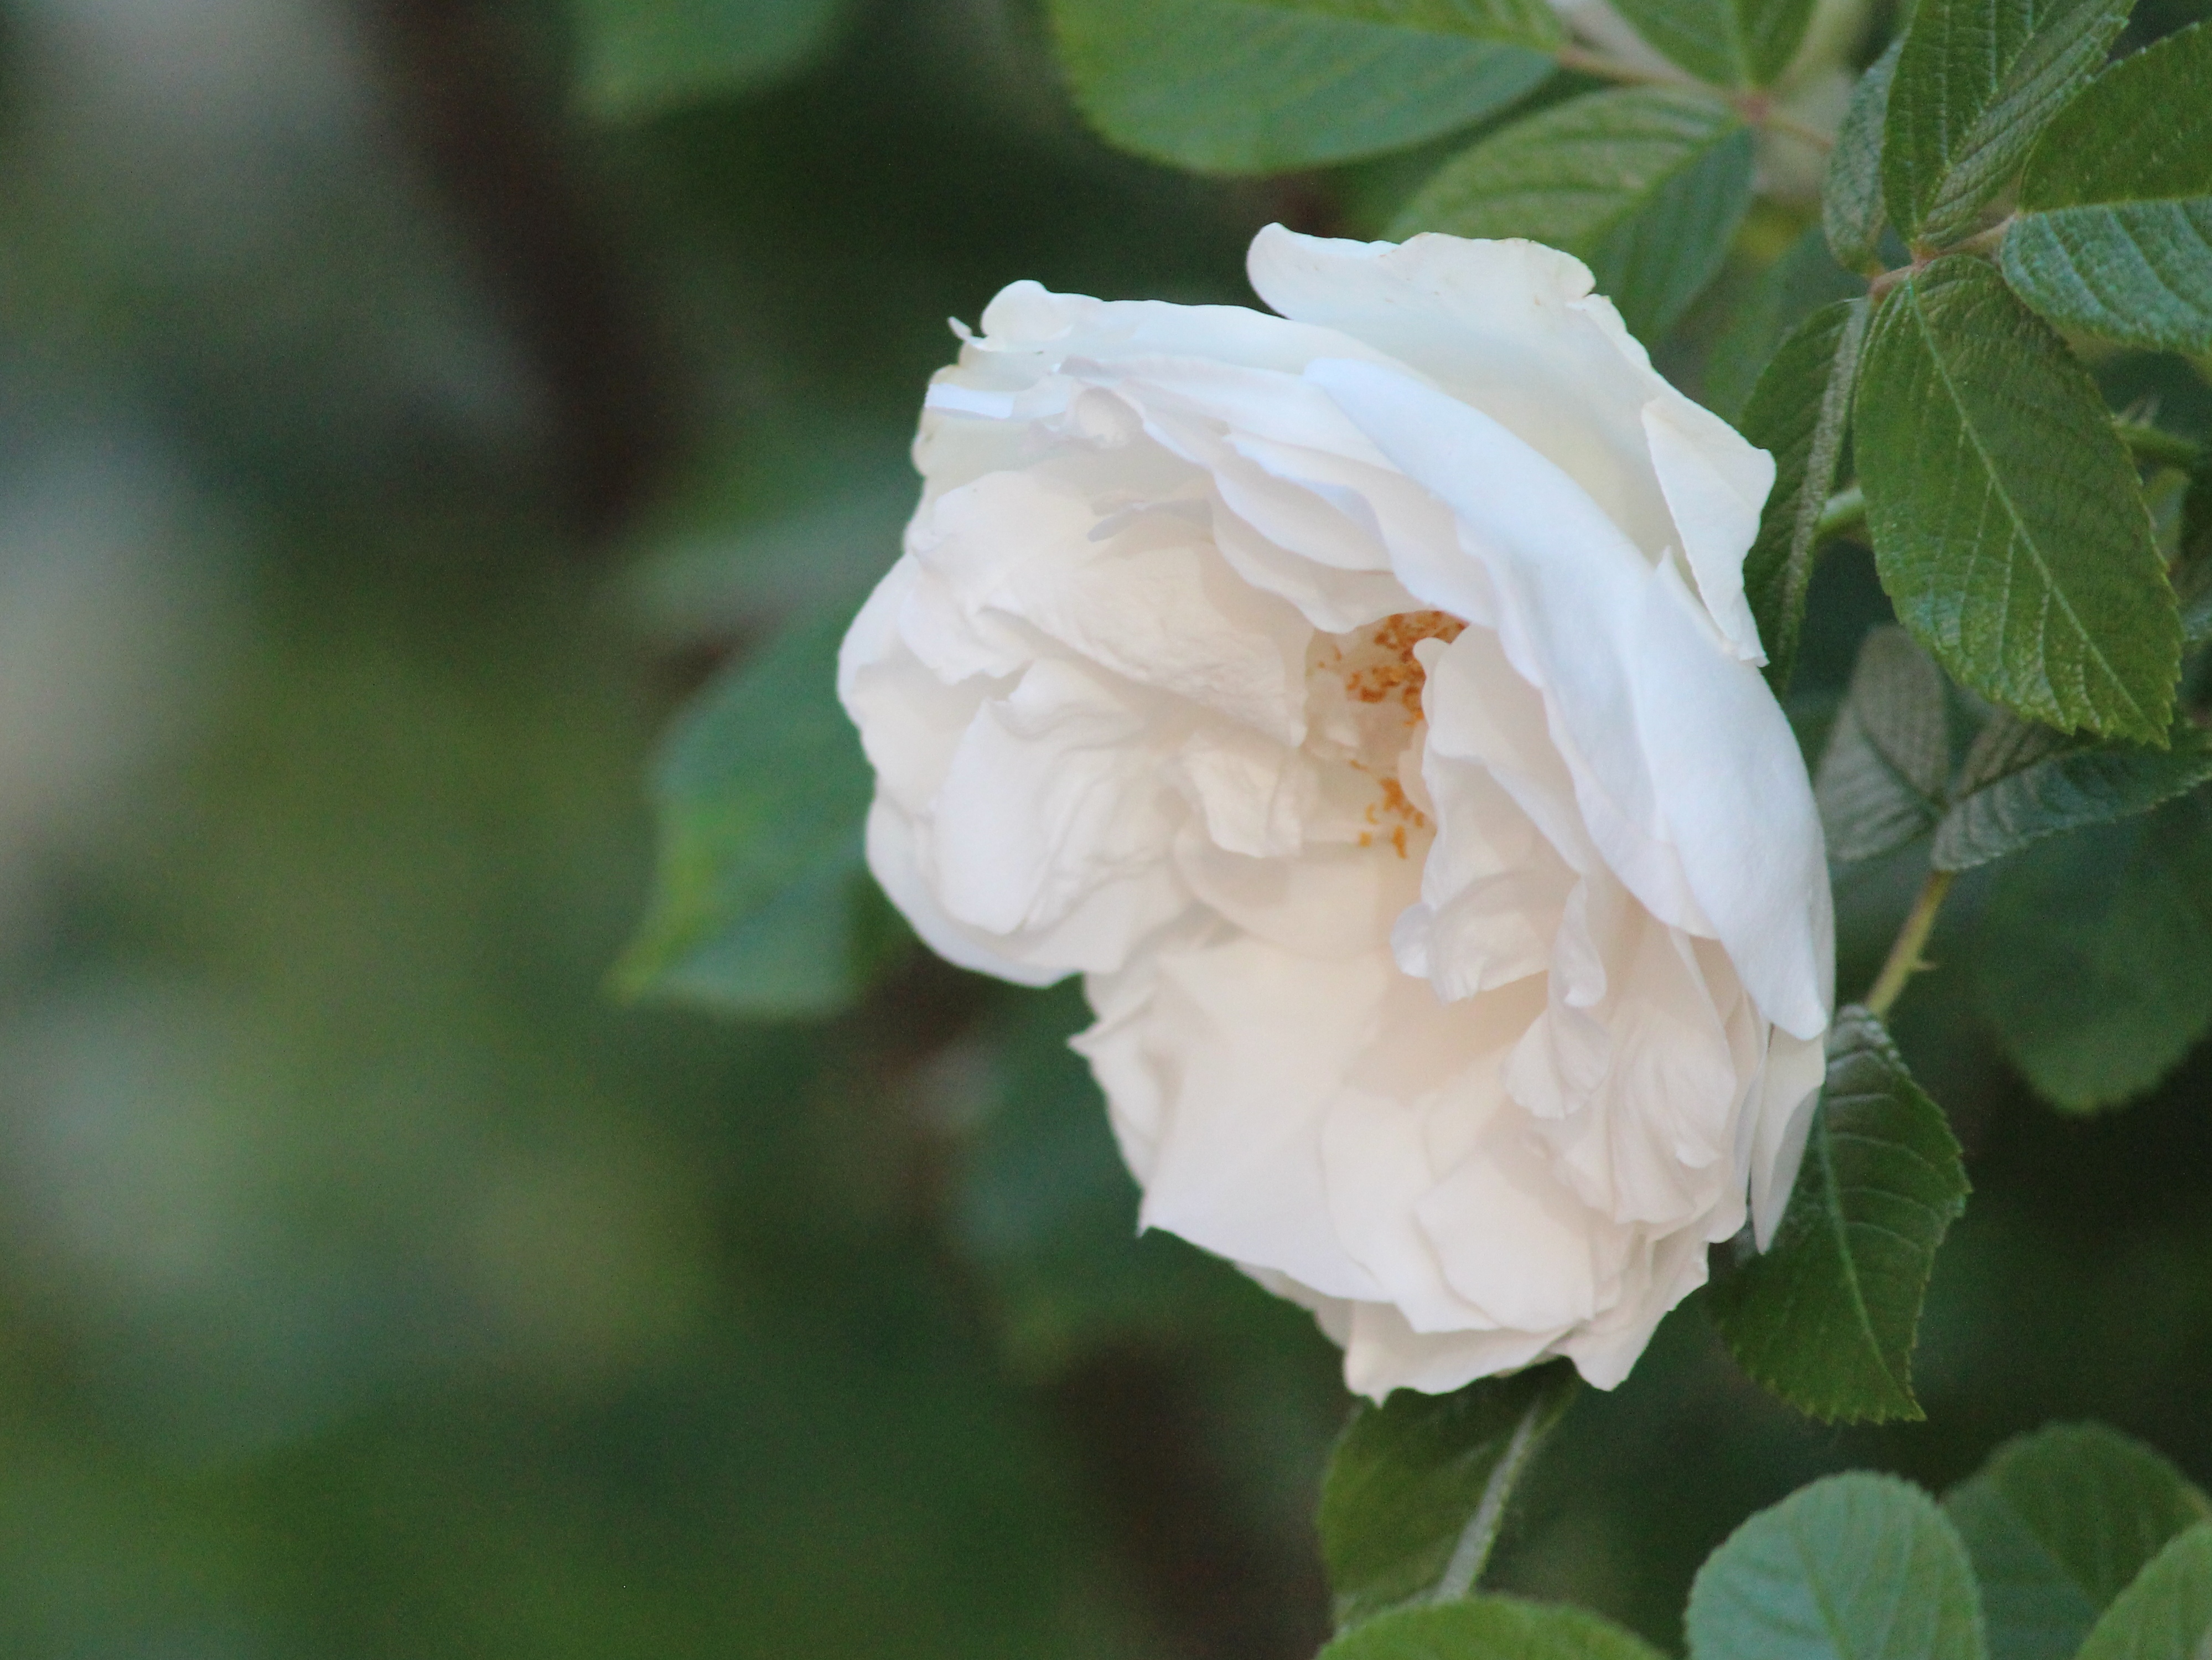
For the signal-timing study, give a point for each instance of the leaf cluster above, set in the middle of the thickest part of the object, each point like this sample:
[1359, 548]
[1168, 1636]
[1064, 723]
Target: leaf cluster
[2091, 949]
[2076, 1541]
[1647, 182]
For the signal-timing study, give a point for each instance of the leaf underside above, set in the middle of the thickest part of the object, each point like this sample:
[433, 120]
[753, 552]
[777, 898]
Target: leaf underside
[2055, 784]
[1882, 779]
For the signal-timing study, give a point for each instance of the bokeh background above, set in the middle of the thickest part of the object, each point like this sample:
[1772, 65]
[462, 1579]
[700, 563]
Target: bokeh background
[404, 405]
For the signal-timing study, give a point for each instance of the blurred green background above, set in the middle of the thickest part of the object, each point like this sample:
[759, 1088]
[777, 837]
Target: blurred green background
[404, 404]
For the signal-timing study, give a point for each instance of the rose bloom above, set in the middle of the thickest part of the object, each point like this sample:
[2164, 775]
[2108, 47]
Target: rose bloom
[1363, 701]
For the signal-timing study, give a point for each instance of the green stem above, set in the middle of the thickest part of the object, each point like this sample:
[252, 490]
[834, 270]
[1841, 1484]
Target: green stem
[1904, 959]
[1846, 510]
[1797, 129]
[2152, 444]
[1596, 65]
[1753, 106]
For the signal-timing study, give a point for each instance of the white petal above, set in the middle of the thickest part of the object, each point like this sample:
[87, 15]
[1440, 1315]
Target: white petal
[1509, 327]
[1688, 776]
[892, 862]
[1715, 483]
[1329, 903]
[1252, 1045]
[1054, 821]
[1384, 1353]
[1788, 1090]
[1604, 1350]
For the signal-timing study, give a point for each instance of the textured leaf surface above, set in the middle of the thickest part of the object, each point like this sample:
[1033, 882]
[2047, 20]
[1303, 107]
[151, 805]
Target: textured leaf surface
[1646, 185]
[1490, 1628]
[2022, 782]
[2007, 525]
[1730, 43]
[2092, 955]
[2114, 233]
[1826, 1318]
[641, 56]
[762, 904]
[2057, 1523]
[2166, 1614]
[1882, 779]
[1852, 214]
[1855, 1567]
[1800, 412]
[1257, 86]
[1417, 1487]
[1977, 82]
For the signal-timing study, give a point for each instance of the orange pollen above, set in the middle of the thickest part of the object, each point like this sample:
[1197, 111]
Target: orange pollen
[1400, 674]
[1399, 805]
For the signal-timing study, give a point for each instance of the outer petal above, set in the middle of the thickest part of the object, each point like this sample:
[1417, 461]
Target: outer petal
[1715, 485]
[1248, 1047]
[1788, 1090]
[1690, 779]
[892, 861]
[1513, 329]
[1382, 1352]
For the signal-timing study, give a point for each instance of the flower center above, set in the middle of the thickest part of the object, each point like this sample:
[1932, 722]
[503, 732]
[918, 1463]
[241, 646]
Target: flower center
[1363, 705]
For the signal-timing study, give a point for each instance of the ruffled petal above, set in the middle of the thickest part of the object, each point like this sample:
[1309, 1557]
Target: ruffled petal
[1688, 776]
[1250, 1046]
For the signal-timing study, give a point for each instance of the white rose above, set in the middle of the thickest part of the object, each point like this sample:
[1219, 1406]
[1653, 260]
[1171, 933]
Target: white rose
[1364, 702]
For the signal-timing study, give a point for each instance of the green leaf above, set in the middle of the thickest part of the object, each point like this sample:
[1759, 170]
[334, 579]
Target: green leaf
[639, 56]
[1852, 211]
[1258, 86]
[1976, 81]
[1804, 280]
[1826, 1318]
[1883, 778]
[2114, 228]
[1646, 185]
[2022, 782]
[1490, 1628]
[2166, 1614]
[1729, 43]
[1417, 1488]
[2093, 956]
[1799, 410]
[2057, 1523]
[2008, 525]
[762, 905]
[1855, 1567]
